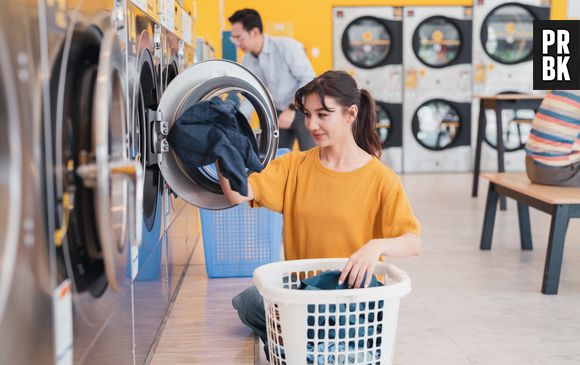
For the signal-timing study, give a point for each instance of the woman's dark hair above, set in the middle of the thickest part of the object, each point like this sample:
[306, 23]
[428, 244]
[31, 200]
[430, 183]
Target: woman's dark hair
[342, 87]
[249, 18]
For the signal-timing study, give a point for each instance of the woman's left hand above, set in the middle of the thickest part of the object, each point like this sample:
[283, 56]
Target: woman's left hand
[361, 263]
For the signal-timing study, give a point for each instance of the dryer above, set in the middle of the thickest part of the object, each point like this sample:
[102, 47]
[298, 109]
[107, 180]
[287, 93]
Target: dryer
[367, 43]
[437, 102]
[27, 280]
[502, 44]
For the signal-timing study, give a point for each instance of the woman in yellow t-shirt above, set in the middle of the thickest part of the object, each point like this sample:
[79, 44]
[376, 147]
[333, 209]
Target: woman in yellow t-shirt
[337, 199]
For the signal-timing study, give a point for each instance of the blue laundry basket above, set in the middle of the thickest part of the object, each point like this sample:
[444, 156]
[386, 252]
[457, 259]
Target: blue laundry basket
[239, 239]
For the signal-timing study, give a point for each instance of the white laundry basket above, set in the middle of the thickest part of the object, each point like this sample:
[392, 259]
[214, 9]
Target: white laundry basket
[355, 326]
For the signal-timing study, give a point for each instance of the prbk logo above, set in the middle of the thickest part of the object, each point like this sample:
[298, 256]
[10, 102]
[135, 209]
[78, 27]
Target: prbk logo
[556, 55]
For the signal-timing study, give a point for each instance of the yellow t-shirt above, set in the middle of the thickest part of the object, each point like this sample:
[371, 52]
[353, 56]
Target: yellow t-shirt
[329, 213]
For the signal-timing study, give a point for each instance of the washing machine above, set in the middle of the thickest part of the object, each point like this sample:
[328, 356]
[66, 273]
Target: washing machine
[502, 60]
[92, 184]
[437, 101]
[27, 285]
[367, 43]
[159, 48]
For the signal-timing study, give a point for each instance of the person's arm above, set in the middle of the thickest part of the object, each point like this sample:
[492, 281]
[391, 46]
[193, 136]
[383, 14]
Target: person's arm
[400, 235]
[231, 195]
[301, 69]
[299, 64]
[362, 263]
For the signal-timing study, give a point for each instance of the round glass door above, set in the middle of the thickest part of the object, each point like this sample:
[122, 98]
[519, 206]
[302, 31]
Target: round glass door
[144, 96]
[366, 42]
[507, 34]
[96, 205]
[384, 125]
[10, 178]
[204, 81]
[437, 42]
[516, 127]
[436, 124]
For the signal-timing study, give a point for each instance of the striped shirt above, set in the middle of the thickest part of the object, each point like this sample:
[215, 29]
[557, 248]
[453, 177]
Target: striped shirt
[555, 136]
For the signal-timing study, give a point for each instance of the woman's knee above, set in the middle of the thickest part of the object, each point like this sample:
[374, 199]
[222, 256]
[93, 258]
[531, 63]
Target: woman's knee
[250, 305]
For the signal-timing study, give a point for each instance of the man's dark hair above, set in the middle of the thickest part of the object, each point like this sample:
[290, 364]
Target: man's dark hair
[249, 18]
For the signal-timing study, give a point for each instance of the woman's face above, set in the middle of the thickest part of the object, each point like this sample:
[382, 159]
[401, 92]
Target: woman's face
[328, 128]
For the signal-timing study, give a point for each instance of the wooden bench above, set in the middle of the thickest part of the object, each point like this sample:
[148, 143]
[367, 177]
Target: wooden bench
[562, 203]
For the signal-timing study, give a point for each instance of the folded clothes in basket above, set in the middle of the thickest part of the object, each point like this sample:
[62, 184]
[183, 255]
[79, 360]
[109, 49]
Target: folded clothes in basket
[341, 337]
[216, 130]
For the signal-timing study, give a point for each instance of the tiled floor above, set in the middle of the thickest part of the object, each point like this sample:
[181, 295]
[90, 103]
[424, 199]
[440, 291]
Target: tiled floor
[466, 307]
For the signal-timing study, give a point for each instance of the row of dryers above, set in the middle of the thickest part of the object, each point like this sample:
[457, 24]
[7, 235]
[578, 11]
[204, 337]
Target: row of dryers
[92, 244]
[426, 65]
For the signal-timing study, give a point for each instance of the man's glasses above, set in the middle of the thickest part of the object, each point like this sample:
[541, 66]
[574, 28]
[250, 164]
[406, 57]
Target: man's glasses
[237, 39]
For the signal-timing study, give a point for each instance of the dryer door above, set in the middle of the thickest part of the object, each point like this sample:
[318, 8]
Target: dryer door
[203, 81]
[507, 34]
[516, 124]
[439, 124]
[10, 176]
[389, 119]
[367, 42]
[384, 124]
[437, 41]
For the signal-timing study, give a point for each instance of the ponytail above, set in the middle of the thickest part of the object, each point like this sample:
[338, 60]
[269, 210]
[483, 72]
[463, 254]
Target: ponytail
[364, 129]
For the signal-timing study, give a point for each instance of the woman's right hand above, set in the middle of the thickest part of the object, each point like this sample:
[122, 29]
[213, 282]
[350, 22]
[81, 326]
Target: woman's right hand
[232, 196]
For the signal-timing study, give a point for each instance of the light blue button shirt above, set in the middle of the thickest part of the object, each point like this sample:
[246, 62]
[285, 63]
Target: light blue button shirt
[282, 66]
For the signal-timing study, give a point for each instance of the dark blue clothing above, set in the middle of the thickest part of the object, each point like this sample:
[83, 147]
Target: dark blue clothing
[328, 280]
[216, 130]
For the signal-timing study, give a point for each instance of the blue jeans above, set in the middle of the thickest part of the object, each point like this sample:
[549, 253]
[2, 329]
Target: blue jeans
[250, 307]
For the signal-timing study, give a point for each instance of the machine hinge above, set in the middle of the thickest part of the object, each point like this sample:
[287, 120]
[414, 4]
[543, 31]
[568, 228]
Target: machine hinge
[159, 132]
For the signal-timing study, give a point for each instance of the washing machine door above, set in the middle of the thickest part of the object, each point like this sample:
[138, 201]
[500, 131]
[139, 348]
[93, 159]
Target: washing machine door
[516, 127]
[10, 176]
[507, 33]
[384, 124]
[388, 127]
[367, 42]
[438, 41]
[203, 81]
[437, 124]
[112, 196]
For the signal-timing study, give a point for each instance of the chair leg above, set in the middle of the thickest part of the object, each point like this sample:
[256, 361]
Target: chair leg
[525, 230]
[481, 122]
[555, 251]
[489, 219]
[500, 150]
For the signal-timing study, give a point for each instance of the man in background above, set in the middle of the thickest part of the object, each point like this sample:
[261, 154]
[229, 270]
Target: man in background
[282, 65]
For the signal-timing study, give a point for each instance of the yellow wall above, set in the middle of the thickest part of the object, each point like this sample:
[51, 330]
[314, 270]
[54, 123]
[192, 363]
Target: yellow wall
[208, 23]
[558, 9]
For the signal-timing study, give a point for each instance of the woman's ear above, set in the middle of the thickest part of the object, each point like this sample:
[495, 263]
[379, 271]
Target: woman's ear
[352, 112]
